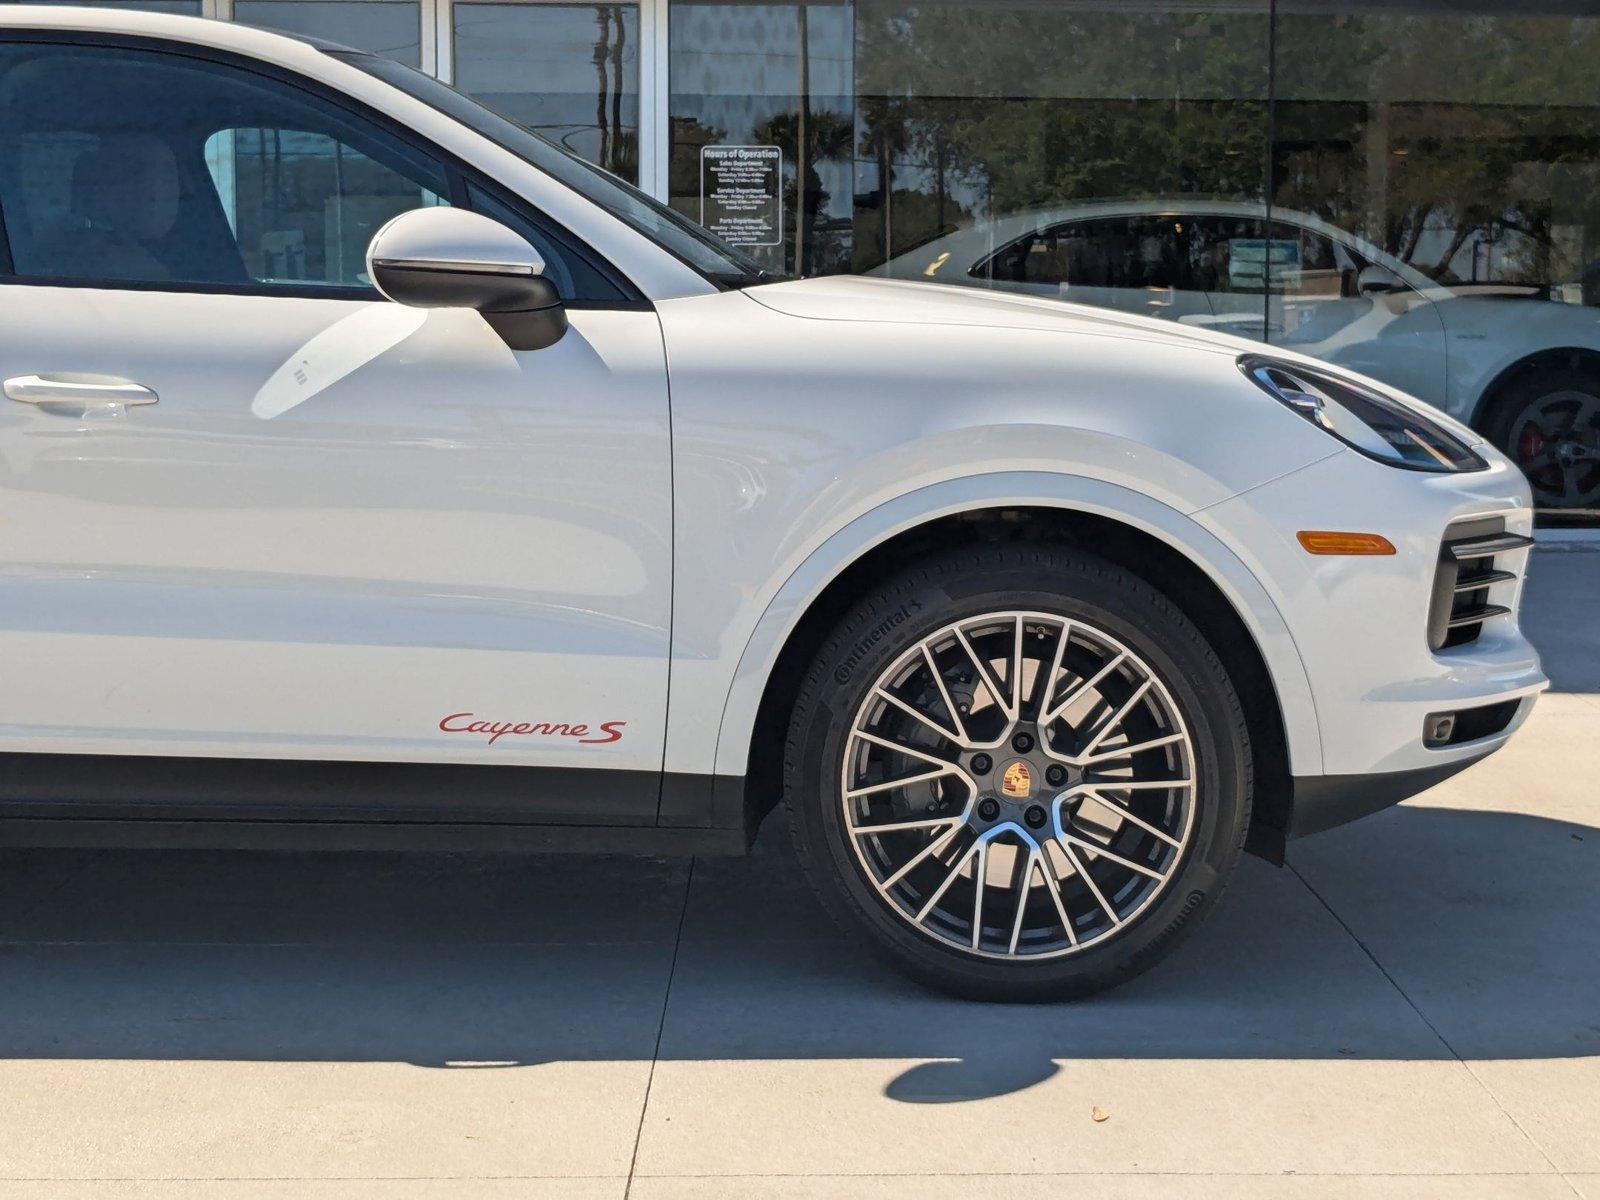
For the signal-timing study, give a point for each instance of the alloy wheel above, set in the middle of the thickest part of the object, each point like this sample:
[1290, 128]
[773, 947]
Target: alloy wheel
[1556, 441]
[1019, 785]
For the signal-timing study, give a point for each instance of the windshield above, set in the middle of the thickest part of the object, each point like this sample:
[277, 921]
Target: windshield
[667, 228]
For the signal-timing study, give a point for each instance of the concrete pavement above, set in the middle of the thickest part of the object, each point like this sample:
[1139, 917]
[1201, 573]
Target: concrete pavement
[1412, 1009]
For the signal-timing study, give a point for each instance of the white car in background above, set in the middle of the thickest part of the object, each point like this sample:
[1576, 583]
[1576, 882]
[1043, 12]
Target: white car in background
[1516, 363]
[375, 473]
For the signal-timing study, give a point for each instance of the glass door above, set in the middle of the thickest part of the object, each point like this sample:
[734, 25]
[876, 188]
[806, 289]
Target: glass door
[570, 72]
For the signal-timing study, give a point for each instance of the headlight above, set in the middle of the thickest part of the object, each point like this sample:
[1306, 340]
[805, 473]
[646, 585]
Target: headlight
[1362, 418]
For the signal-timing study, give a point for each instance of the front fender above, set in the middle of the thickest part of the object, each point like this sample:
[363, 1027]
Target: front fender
[1016, 489]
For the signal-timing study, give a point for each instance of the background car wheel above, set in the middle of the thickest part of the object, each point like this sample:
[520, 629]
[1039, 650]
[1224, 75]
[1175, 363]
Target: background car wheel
[1548, 423]
[1019, 771]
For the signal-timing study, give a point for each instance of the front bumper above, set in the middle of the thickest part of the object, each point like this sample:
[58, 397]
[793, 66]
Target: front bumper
[1361, 625]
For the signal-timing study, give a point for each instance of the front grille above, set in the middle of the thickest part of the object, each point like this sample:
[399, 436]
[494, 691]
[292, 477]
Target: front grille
[1471, 561]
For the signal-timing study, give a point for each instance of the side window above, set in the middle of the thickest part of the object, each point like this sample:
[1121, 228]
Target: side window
[1326, 270]
[1104, 252]
[1232, 255]
[302, 205]
[144, 166]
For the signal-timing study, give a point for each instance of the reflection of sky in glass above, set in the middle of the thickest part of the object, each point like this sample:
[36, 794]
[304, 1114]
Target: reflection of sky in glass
[182, 8]
[535, 63]
[753, 50]
[389, 27]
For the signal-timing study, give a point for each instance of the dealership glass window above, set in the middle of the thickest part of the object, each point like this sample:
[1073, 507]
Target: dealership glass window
[969, 114]
[182, 8]
[567, 71]
[1462, 143]
[773, 81]
[390, 27]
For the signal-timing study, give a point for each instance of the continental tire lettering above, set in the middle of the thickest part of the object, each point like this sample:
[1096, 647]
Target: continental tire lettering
[872, 637]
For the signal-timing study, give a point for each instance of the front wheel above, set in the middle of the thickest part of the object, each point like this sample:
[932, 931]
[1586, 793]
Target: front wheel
[1019, 771]
[1548, 422]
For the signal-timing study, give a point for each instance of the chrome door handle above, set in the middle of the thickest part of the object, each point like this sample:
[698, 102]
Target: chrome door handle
[78, 389]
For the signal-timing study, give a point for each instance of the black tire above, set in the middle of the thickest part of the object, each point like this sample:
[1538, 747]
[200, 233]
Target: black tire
[1547, 421]
[1049, 579]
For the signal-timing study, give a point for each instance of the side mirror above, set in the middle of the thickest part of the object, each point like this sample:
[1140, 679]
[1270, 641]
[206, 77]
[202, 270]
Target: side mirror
[1378, 281]
[452, 258]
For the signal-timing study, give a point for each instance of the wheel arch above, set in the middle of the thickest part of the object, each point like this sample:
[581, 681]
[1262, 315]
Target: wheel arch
[1555, 357]
[1156, 542]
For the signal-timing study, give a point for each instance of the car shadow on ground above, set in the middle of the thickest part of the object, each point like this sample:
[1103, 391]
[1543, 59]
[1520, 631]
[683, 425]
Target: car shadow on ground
[1480, 919]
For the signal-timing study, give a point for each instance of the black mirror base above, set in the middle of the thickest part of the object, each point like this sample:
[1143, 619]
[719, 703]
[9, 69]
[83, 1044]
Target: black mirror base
[529, 329]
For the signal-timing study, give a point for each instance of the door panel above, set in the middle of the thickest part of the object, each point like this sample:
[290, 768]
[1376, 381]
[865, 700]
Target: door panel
[341, 523]
[252, 511]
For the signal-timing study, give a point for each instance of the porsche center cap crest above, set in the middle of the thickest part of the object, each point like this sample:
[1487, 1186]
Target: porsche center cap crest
[1017, 781]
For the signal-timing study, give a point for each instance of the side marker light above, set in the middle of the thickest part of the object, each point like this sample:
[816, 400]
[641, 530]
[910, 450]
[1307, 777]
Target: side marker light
[1322, 541]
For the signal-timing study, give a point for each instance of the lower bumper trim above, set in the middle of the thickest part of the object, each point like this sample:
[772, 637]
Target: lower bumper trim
[1325, 801]
[1321, 802]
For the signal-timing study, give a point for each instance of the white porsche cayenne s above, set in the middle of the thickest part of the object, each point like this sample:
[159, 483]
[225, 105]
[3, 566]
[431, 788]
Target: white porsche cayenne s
[375, 473]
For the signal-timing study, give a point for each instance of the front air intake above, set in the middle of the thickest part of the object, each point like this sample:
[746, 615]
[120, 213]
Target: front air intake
[1471, 562]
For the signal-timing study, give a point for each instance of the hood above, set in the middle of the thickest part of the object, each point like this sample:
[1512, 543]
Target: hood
[858, 299]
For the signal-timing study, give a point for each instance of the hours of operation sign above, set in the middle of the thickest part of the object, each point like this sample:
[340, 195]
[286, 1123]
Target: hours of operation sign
[741, 194]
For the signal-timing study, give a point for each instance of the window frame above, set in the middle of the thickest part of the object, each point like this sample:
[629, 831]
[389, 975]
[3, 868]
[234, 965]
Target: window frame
[457, 174]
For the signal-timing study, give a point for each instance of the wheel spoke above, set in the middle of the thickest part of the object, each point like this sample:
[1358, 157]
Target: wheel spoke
[1116, 718]
[950, 877]
[1123, 811]
[1023, 888]
[944, 694]
[891, 784]
[1067, 701]
[980, 881]
[902, 748]
[989, 681]
[1571, 489]
[1048, 686]
[1140, 785]
[921, 856]
[912, 711]
[1054, 888]
[1082, 869]
[1129, 751]
[900, 826]
[1016, 672]
[1112, 855]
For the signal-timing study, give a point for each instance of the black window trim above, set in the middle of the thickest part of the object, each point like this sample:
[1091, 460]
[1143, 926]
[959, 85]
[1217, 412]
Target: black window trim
[457, 172]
